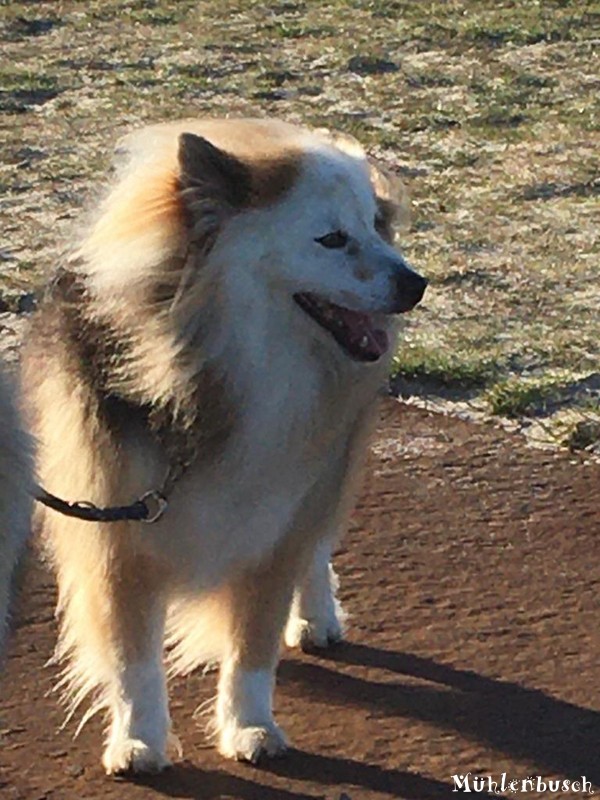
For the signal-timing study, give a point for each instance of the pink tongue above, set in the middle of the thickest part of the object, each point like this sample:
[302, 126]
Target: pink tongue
[364, 337]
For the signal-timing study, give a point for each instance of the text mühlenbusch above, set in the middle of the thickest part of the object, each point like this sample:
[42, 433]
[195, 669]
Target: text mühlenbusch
[478, 783]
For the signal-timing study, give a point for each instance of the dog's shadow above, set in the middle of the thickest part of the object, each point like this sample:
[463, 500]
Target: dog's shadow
[558, 737]
[185, 780]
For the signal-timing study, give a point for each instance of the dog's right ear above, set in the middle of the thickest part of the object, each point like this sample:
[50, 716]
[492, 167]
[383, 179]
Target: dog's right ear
[210, 177]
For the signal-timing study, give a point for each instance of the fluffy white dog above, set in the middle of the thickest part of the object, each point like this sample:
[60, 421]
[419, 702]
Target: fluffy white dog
[228, 320]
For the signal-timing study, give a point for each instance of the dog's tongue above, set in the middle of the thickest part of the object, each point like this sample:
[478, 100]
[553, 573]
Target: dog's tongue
[362, 337]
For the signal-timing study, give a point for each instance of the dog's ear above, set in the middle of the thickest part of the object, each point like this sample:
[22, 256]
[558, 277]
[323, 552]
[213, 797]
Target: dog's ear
[391, 200]
[210, 178]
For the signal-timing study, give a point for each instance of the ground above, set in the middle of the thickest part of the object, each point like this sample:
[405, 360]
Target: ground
[471, 576]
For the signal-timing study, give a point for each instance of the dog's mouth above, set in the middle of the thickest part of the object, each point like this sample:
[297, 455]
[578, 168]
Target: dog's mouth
[354, 331]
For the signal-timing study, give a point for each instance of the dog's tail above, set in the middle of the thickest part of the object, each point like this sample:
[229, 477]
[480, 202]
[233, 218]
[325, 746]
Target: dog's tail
[197, 630]
[16, 485]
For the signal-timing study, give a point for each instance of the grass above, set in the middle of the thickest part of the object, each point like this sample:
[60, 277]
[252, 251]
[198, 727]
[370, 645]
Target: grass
[514, 397]
[488, 110]
[584, 434]
[441, 366]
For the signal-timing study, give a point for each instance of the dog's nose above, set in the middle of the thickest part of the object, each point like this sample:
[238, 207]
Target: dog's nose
[409, 289]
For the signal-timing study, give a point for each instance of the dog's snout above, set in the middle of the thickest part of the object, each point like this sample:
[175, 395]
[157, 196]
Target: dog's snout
[409, 288]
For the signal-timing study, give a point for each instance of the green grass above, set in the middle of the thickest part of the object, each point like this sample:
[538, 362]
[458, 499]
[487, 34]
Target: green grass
[440, 366]
[514, 397]
[487, 110]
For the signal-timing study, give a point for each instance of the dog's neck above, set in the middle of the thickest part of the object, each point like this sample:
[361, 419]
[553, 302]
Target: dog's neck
[288, 376]
[238, 355]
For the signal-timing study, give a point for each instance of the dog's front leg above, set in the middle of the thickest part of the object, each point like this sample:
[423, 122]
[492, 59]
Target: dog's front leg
[260, 602]
[140, 725]
[113, 608]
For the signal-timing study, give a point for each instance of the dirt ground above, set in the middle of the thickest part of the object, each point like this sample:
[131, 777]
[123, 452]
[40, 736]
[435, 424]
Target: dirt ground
[471, 574]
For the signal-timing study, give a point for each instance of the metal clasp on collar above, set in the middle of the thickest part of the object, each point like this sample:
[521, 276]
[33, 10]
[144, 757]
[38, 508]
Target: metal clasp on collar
[156, 503]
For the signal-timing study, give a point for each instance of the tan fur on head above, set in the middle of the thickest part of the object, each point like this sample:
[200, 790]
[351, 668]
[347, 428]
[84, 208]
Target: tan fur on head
[173, 170]
[156, 227]
[392, 202]
[137, 211]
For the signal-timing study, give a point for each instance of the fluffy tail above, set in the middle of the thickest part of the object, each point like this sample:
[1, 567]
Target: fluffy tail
[15, 487]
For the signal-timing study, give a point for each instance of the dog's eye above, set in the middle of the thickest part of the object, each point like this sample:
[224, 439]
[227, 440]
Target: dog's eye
[384, 228]
[333, 240]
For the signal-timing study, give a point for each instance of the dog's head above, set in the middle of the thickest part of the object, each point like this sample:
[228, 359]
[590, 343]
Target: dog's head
[303, 214]
[314, 220]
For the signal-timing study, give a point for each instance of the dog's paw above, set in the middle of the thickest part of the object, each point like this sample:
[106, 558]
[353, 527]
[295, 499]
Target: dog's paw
[252, 743]
[314, 634]
[133, 756]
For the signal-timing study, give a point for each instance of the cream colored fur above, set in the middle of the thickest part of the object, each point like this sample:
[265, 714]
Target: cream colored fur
[196, 282]
[15, 497]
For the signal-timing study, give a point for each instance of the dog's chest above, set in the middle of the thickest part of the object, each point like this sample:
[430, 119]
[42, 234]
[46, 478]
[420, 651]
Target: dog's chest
[284, 442]
[239, 506]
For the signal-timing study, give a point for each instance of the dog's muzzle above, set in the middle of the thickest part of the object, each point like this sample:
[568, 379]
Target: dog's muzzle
[408, 287]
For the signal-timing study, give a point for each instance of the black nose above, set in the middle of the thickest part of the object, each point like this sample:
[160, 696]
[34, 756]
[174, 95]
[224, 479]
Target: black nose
[409, 289]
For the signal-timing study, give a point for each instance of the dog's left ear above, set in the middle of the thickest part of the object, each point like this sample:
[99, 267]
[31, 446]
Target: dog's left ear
[212, 182]
[391, 200]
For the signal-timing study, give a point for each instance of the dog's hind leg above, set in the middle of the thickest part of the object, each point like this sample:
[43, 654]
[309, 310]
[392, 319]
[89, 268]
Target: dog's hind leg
[316, 618]
[112, 613]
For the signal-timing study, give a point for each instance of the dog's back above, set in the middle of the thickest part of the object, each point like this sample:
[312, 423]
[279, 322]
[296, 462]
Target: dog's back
[15, 500]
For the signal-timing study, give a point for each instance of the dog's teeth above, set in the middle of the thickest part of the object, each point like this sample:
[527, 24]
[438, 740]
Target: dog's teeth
[364, 341]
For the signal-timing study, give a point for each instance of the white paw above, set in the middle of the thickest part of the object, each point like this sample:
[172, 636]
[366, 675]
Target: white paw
[316, 618]
[133, 755]
[252, 743]
[310, 634]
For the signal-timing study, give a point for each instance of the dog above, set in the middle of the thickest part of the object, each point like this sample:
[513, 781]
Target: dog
[227, 319]
[16, 489]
